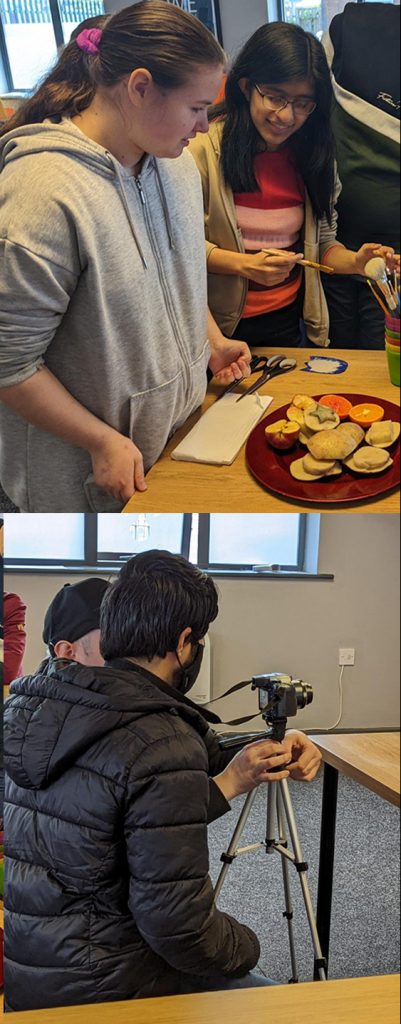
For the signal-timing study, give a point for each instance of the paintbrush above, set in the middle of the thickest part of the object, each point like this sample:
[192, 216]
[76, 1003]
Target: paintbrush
[392, 283]
[305, 263]
[378, 299]
[376, 270]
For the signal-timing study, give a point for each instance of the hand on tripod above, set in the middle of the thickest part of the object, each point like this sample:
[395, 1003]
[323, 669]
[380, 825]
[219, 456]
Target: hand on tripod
[305, 756]
[253, 765]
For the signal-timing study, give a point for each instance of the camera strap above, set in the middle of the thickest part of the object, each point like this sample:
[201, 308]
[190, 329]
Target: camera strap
[235, 721]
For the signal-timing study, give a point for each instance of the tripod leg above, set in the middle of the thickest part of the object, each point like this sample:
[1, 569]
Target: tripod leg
[271, 817]
[231, 853]
[288, 913]
[302, 867]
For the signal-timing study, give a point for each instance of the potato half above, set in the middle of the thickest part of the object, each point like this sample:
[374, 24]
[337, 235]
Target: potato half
[369, 460]
[298, 471]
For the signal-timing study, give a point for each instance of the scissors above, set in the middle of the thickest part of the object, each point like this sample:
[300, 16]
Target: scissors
[282, 366]
[257, 363]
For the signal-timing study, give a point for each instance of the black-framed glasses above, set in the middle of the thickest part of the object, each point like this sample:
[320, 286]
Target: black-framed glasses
[301, 105]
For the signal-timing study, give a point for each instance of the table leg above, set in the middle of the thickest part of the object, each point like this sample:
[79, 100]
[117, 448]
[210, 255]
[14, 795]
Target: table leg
[326, 857]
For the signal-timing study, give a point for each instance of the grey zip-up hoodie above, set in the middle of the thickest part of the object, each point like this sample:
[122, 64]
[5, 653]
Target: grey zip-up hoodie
[103, 279]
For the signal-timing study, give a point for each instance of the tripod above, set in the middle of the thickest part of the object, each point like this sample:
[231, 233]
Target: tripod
[279, 807]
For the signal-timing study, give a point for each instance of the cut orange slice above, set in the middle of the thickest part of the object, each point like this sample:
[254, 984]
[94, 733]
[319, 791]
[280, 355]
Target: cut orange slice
[366, 414]
[340, 405]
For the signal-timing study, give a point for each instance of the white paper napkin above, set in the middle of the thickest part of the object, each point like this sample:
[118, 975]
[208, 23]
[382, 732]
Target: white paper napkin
[219, 434]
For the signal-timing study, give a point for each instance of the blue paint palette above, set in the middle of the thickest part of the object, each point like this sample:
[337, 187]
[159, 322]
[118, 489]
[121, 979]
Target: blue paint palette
[325, 364]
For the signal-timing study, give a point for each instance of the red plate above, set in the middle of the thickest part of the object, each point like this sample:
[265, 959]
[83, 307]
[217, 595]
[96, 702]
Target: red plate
[271, 468]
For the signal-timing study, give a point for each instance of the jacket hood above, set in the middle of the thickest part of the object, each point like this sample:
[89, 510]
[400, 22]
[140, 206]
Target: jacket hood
[51, 718]
[64, 137]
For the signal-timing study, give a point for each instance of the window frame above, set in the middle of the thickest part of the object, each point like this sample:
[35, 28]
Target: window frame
[91, 562]
[4, 58]
[109, 560]
[247, 567]
[57, 25]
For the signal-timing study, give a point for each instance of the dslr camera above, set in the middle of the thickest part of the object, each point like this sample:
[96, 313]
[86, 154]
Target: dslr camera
[280, 696]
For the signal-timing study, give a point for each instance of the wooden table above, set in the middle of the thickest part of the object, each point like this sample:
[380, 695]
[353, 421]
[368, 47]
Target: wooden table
[193, 487]
[354, 1001]
[373, 760]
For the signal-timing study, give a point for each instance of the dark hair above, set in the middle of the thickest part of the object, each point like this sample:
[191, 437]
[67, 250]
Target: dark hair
[97, 21]
[277, 53]
[152, 34]
[155, 597]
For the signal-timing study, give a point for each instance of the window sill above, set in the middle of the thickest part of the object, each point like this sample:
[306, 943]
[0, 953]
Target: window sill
[106, 569]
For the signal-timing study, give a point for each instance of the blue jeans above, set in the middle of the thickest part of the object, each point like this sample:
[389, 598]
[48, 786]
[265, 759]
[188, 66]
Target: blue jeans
[251, 980]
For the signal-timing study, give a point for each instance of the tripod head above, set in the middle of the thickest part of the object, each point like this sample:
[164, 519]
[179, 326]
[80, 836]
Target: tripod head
[279, 697]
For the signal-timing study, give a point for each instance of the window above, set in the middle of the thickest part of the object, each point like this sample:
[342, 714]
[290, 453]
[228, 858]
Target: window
[313, 15]
[254, 542]
[223, 544]
[46, 539]
[32, 31]
[72, 12]
[119, 537]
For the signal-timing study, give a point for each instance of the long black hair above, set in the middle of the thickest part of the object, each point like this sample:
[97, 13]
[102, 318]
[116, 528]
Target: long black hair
[277, 53]
[153, 34]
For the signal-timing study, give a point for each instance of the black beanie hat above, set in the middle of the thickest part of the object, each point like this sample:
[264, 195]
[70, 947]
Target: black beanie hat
[74, 611]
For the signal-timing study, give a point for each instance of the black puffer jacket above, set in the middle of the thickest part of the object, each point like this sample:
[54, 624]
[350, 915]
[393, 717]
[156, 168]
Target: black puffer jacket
[108, 795]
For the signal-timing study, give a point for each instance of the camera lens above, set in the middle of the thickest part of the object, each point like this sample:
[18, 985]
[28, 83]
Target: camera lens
[304, 694]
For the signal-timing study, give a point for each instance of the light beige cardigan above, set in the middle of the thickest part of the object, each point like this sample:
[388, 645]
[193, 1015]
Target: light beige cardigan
[227, 293]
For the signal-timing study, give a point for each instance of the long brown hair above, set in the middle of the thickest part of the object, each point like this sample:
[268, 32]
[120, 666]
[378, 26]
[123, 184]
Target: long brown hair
[152, 34]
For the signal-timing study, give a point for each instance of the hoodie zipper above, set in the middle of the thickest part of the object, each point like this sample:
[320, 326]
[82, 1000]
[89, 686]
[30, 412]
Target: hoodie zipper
[140, 190]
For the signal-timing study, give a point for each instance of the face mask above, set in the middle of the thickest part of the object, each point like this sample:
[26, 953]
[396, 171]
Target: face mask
[189, 673]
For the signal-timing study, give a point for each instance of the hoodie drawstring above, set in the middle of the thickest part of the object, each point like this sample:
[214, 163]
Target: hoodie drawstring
[165, 207]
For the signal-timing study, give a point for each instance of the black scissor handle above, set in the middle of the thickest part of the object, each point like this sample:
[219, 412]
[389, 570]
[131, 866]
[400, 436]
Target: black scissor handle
[257, 363]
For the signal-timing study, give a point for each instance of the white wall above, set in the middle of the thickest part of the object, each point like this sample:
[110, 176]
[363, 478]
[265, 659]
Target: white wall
[297, 626]
[238, 19]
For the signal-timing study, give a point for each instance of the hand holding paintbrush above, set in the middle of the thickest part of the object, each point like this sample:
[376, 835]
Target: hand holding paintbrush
[380, 281]
[302, 262]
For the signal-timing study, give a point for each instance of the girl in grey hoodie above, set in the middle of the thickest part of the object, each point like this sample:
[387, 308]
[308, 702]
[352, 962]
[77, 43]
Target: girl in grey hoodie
[105, 335]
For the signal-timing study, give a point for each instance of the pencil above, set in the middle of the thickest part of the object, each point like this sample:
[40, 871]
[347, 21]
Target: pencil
[305, 263]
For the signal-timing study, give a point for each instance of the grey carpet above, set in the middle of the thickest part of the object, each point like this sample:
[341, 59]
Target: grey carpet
[365, 914]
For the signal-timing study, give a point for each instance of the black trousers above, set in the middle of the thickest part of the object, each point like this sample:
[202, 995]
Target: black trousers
[281, 327]
[356, 320]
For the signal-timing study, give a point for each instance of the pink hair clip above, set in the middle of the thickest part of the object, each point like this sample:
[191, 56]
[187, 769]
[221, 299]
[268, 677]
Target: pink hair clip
[89, 39]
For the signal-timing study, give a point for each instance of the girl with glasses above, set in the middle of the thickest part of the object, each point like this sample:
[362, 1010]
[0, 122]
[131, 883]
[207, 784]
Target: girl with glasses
[270, 188]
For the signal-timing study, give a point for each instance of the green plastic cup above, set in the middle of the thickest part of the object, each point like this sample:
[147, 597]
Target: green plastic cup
[393, 362]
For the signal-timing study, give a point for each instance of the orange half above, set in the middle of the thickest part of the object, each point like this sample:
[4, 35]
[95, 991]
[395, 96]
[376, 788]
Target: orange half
[366, 414]
[340, 405]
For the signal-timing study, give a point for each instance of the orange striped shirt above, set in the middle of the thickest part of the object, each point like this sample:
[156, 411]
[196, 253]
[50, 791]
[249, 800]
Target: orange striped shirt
[272, 218]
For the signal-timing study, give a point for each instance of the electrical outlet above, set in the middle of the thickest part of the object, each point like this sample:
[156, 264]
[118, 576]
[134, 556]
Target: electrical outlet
[346, 656]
